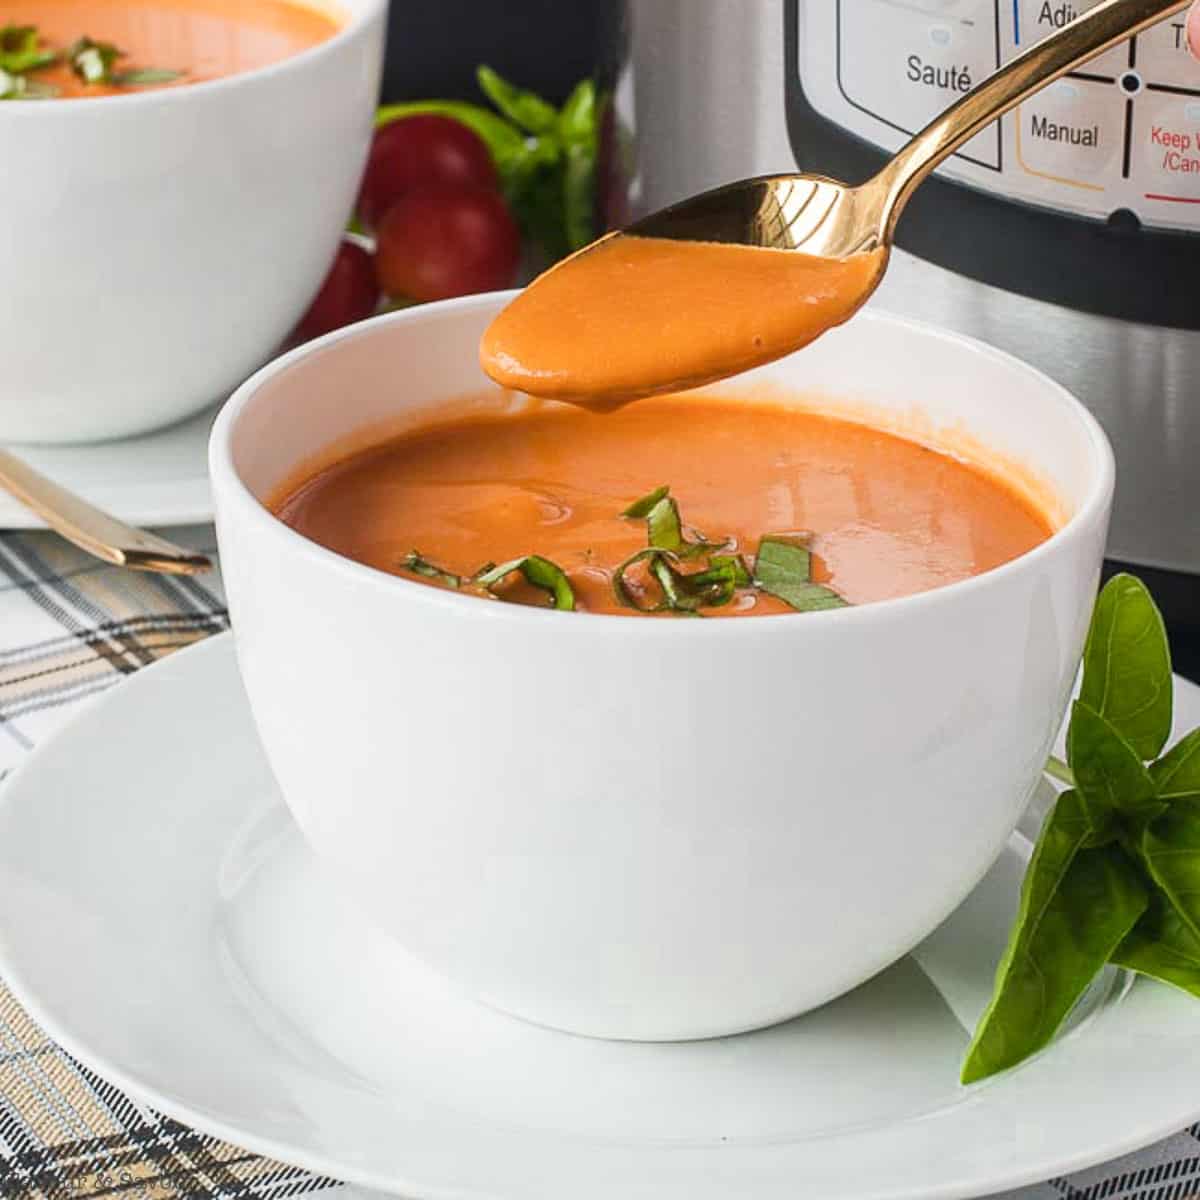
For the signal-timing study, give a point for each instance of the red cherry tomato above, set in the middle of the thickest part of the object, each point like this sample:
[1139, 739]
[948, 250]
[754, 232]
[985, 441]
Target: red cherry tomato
[348, 294]
[419, 150]
[446, 240]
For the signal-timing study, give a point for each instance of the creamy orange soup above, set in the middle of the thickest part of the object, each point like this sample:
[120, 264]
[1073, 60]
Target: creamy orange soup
[636, 316]
[203, 39]
[887, 516]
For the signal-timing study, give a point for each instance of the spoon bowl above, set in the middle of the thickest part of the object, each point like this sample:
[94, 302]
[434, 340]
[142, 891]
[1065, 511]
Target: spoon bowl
[701, 333]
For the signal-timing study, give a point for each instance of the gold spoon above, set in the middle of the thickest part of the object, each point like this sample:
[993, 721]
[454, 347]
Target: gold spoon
[93, 530]
[825, 220]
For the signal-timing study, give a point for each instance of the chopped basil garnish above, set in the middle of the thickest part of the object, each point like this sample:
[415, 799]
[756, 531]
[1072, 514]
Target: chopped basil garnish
[540, 572]
[21, 87]
[422, 566]
[784, 568]
[93, 61]
[145, 76]
[664, 526]
[21, 50]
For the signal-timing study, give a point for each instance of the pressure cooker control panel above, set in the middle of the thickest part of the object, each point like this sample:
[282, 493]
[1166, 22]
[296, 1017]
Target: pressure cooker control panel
[1122, 133]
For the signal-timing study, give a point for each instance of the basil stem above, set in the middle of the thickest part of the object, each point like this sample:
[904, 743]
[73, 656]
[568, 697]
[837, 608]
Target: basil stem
[418, 565]
[526, 109]
[540, 572]
[1077, 906]
[783, 568]
[1127, 666]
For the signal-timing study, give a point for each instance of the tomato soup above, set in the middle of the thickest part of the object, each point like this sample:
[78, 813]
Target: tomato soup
[637, 316]
[169, 42]
[882, 516]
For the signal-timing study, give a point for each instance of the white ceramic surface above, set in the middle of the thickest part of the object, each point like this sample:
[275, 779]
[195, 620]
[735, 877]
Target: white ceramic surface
[159, 478]
[644, 828]
[157, 247]
[171, 929]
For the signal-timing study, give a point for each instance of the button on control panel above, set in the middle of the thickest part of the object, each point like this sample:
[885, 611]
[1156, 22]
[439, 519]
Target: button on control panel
[1121, 133]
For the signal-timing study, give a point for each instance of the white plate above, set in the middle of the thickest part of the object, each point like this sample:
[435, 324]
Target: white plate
[160, 478]
[161, 918]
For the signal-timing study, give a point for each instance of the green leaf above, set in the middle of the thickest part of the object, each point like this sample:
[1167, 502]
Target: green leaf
[93, 61]
[643, 506]
[664, 526]
[1127, 666]
[1177, 773]
[713, 587]
[578, 121]
[506, 143]
[783, 568]
[21, 50]
[1170, 849]
[540, 572]
[525, 108]
[1077, 905]
[620, 585]
[1162, 947]
[579, 135]
[1109, 775]
[419, 565]
[145, 76]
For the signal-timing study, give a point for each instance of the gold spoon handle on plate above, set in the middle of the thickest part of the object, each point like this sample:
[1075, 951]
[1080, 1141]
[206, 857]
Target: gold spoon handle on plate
[1095, 31]
[93, 530]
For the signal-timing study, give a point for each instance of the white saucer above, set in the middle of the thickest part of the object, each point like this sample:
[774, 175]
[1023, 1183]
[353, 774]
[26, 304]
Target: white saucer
[160, 917]
[160, 478]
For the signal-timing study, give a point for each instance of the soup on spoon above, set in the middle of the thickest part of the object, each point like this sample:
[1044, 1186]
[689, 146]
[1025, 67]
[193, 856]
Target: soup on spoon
[634, 316]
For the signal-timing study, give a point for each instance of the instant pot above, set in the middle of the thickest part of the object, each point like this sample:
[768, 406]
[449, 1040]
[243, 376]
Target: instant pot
[1067, 233]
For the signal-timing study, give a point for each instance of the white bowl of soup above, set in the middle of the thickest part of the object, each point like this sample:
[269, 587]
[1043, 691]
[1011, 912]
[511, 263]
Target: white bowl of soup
[651, 825]
[160, 239]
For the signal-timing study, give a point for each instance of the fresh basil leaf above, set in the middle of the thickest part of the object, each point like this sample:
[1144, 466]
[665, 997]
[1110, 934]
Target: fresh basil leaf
[1077, 905]
[1177, 773]
[93, 61]
[523, 107]
[665, 527]
[1162, 947]
[21, 50]
[783, 567]
[737, 566]
[1170, 849]
[418, 565]
[540, 572]
[643, 506]
[1127, 666]
[146, 75]
[579, 117]
[1109, 775]
[578, 132]
[620, 585]
[713, 587]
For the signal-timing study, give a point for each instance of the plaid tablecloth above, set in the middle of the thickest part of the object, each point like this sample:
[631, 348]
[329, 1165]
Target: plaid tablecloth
[70, 628]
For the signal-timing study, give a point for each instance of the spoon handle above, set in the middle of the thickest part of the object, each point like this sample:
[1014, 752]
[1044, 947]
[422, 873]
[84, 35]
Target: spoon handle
[91, 529]
[1097, 30]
